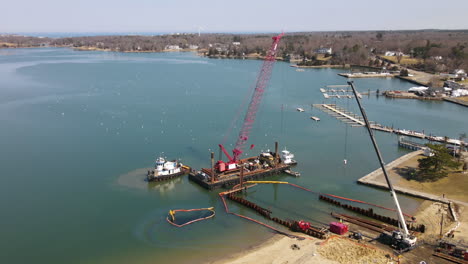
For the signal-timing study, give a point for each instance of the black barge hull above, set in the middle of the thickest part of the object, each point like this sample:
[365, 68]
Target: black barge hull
[231, 181]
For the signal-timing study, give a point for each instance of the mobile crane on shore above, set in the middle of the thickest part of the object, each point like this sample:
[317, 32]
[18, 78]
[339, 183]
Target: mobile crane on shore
[401, 240]
[249, 119]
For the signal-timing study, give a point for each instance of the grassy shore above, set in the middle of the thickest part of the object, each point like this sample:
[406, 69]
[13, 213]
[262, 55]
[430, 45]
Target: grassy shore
[339, 249]
[453, 187]
[404, 60]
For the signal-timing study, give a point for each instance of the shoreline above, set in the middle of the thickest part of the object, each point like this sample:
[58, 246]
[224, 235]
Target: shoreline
[282, 249]
[415, 79]
[321, 66]
[375, 179]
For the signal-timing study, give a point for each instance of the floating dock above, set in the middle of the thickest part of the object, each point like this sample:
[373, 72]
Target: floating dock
[404, 143]
[356, 121]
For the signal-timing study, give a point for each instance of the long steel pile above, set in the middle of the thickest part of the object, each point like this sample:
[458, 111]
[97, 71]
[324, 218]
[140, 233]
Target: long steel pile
[370, 213]
[293, 225]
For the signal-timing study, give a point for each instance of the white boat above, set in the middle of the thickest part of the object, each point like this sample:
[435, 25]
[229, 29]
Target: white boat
[454, 141]
[300, 109]
[402, 132]
[323, 90]
[292, 173]
[315, 118]
[165, 170]
[287, 157]
[436, 138]
[326, 96]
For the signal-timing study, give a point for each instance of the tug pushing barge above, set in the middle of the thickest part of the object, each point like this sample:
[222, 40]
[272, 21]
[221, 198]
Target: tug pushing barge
[225, 175]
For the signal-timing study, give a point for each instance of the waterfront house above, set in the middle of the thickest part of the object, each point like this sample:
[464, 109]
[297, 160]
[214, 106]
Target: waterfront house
[323, 51]
[172, 47]
[453, 85]
[460, 73]
[395, 53]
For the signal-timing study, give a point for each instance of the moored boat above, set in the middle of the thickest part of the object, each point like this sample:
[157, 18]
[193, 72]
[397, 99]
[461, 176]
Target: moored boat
[287, 157]
[164, 170]
[292, 173]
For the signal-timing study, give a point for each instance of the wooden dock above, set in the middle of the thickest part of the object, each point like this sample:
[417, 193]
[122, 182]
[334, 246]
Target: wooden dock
[349, 117]
[404, 143]
[341, 113]
[356, 121]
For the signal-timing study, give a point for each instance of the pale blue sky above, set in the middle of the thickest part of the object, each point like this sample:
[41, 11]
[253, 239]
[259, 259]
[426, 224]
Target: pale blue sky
[229, 16]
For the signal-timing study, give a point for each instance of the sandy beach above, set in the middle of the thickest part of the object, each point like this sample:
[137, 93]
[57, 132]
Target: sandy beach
[339, 249]
[282, 249]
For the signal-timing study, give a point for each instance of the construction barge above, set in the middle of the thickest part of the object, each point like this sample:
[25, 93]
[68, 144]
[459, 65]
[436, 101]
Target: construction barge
[253, 168]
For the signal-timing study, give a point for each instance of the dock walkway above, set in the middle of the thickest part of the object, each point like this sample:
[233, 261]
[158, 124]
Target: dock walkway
[343, 114]
[356, 121]
[404, 143]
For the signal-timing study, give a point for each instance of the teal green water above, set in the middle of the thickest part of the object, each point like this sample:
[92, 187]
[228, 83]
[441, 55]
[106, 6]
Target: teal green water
[78, 130]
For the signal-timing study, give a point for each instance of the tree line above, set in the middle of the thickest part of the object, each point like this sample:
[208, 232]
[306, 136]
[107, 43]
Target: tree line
[437, 50]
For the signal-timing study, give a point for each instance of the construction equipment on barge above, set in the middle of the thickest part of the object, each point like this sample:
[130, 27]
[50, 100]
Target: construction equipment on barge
[254, 168]
[229, 173]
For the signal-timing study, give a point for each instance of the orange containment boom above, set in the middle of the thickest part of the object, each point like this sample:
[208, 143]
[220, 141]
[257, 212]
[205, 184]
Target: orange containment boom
[172, 214]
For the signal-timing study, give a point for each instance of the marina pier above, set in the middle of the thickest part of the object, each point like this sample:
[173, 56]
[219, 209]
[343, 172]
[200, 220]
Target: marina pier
[356, 121]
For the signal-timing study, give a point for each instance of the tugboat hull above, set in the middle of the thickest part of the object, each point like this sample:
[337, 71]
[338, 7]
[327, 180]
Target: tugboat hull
[152, 178]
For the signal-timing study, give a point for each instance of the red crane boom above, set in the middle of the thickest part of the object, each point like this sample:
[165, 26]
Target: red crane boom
[262, 82]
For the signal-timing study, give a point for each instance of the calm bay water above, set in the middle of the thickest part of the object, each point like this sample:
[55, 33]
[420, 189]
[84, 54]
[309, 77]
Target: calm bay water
[78, 130]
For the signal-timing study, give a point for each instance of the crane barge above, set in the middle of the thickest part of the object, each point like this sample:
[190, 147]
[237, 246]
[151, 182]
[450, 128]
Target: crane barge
[231, 172]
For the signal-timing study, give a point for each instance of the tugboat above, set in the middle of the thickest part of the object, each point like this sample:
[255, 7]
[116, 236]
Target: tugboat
[287, 157]
[164, 170]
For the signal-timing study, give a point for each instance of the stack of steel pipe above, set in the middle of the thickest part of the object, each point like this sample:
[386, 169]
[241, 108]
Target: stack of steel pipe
[370, 213]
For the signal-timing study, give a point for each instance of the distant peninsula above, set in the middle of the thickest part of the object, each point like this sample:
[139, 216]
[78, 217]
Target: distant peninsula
[425, 50]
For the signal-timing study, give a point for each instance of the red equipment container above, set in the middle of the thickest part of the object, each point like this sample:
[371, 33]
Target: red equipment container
[338, 228]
